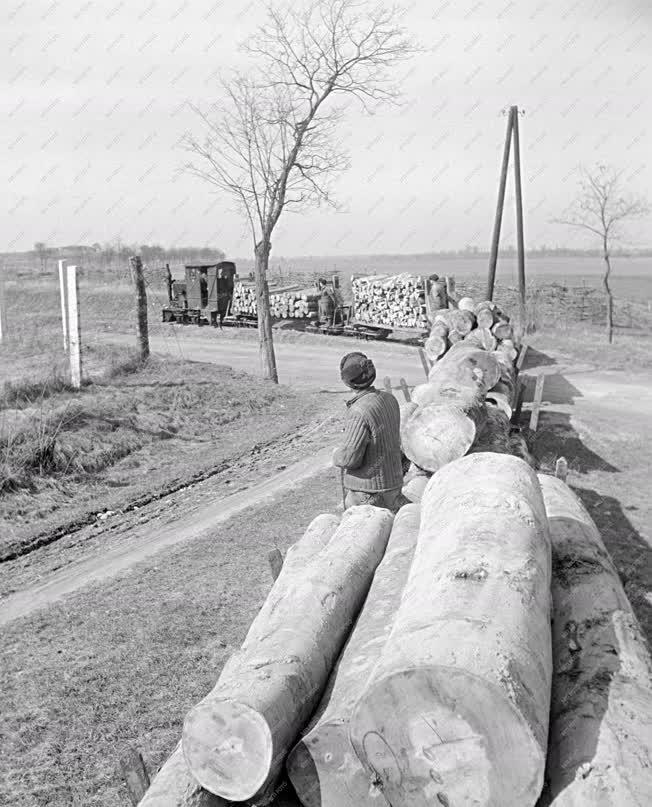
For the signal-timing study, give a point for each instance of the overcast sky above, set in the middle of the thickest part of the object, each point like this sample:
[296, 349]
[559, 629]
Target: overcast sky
[94, 103]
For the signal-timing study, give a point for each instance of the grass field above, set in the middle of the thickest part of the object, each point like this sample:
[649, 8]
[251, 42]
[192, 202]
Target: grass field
[120, 664]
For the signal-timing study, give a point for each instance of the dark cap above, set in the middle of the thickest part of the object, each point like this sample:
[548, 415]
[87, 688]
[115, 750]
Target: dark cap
[357, 371]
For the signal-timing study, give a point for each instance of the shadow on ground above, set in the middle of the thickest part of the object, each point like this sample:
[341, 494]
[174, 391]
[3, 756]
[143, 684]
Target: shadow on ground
[556, 437]
[536, 358]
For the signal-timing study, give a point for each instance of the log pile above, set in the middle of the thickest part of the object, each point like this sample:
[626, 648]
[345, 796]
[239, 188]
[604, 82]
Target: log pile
[481, 324]
[398, 301]
[283, 304]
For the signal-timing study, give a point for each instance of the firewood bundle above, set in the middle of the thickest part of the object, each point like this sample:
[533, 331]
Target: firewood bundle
[398, 301]
[283, 304]
[483, 325]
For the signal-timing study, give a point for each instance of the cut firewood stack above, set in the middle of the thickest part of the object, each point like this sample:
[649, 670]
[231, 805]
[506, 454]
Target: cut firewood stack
[283, 304]
[398, 301]
[483, 325]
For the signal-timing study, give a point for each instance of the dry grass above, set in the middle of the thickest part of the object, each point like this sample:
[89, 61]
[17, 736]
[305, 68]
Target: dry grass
[120, 664]
[139, 427]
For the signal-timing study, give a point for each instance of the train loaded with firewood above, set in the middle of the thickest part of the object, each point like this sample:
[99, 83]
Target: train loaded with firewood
[421, 307]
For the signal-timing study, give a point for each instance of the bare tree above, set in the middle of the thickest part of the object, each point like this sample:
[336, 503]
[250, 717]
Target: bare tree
[43, 253]
[271, 142]
[601, 207]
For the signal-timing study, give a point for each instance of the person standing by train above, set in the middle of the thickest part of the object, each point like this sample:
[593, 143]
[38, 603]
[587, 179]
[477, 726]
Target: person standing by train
[327, 302]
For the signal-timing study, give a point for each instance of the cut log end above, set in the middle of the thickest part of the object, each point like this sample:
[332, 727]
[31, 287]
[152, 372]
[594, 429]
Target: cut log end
[449, 748]
[228, 747]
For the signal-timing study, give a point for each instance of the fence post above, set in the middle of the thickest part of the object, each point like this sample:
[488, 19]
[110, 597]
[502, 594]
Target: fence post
[3, 310]
[74, 327]
[141, 306]
[64, 305]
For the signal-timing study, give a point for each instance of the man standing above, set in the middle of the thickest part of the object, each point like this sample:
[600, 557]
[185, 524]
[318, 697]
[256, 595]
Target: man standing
[371, 454]
[327, 302]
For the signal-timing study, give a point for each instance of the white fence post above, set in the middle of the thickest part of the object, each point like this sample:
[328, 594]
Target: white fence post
[74, 328]
[64, 306]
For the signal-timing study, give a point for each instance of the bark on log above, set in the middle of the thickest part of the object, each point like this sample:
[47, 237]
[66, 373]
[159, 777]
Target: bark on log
[601, 718]
[495, 434]
[236, 740]
[174, 785]
[457, 710]
[462, 321]
[435, 346]
[454, 337]
[323, 766]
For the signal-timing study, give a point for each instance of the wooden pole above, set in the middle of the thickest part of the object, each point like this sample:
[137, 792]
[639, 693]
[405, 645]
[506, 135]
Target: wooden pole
[74, 327]
[64, 302]
[450, 291]
[495, 239]
[168, 280]
[3, 310]
[519, 220]
[141, 306]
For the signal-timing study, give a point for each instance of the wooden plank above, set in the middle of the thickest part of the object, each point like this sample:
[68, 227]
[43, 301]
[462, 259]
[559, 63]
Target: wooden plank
[405, 389]
[518, 404]
[521, 356]
[536, 403]
[561, 469]
[275, 560]
[424, 361]
[388, 384]
[134, 775]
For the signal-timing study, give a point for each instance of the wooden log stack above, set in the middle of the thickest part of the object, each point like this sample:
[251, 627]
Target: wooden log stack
[283, 304]
[397, 301]
[481, 324]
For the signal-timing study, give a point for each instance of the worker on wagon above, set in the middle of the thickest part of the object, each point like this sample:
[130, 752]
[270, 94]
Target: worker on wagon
[327, 302]
[371, 454]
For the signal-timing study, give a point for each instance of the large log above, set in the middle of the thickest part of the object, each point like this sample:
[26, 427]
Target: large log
[482, 337]
[414, 488]
[174, 785]
[236, 739]
[601, 718]
[457, 709]
[323, 766]
[464, 360]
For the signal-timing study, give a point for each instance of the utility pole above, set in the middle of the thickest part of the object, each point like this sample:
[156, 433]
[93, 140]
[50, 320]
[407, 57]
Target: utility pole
[519, 220]
[141, 306]
[495, 240]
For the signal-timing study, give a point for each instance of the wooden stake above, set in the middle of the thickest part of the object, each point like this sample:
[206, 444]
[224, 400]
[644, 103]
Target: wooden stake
[134, 775]
[74, 327]
[450, 291]
[536, 403]
[521, 357]
[275, 560]
[406, 390]
[64, 302]
[424, 361]
[561, 469]
[141, 306]
[519, 219]
[495, 239]
[388, 384]
[168, 280]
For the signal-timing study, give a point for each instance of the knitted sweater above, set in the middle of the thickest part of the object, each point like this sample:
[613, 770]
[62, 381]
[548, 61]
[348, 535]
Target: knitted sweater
[371, 453]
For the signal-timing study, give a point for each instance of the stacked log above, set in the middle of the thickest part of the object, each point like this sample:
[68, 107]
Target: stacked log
[323, 766]
[398, 301]
[174, 785]
[481, 324]
[600, 749]
[283, 304]
[457, 709]
[236, 740]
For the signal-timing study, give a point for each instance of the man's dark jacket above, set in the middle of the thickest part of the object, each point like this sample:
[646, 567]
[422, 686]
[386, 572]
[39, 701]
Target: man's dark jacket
[371, 453]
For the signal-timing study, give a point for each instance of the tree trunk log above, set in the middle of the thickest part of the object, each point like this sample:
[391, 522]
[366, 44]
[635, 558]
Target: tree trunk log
[601, 718]
[265, 337]
[435, 346]
[482, 337]
[502, 330]
[457, 709]
[236, 740]
[323, 766]
[467, 360]
[174, 785]
[414, 488]
[485, 317]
